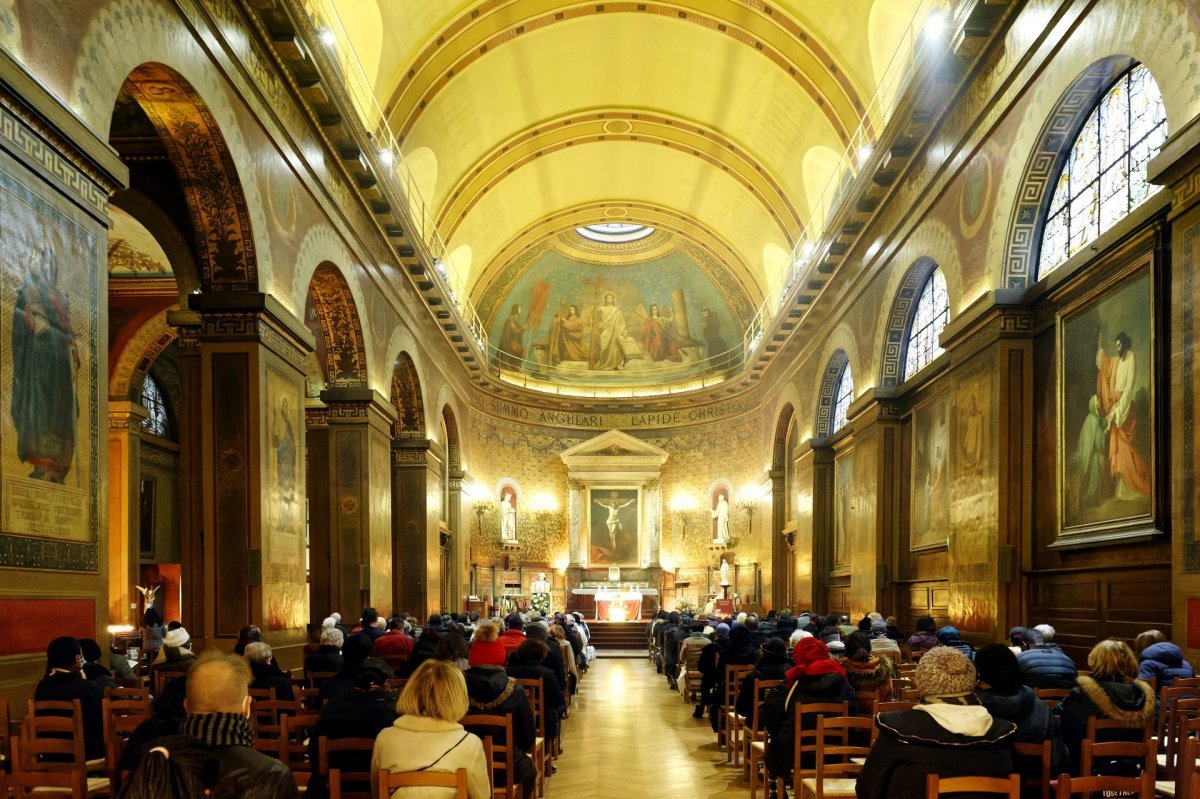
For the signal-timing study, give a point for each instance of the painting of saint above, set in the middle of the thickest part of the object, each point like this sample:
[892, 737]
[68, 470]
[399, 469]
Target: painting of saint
[566, 337]
[45, 406]
[512, 338]
[843, 508]
[608, 330]
[658, 338]
[283, 439]
[1107, 409]
[711, 328]
[613, 526]
[930, 506]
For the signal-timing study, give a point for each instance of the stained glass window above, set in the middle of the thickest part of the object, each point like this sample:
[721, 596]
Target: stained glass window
[157, 422]
[841, 399]
[929, 317]
[1104, 177]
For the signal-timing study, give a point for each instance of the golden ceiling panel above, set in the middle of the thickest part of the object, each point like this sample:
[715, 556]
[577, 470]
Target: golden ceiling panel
[617, 125]
[762, 30]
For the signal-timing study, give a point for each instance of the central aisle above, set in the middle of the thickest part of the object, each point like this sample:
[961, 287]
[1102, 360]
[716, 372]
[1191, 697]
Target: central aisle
[630, 736]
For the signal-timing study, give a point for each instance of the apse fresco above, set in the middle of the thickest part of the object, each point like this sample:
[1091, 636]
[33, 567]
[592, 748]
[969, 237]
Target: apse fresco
[651, 320]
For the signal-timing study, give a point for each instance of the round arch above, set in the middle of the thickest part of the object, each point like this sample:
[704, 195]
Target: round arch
[895, 340]
[137, 356]
[828, 392]
[1051, 148]
[332, 315]
[407, 399]
[783, 422]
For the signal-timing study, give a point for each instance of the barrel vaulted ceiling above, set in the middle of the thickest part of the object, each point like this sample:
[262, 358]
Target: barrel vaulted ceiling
[720, 120]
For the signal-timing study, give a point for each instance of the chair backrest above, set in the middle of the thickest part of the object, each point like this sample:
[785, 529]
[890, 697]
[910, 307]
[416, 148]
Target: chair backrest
[25, 783]
[836, 756]
[1094, 749]
[501, 759]
[1177, 706]
[894, 707]
[1142, 786]
[1028, 752]
[52, 736]
[391, 780]
[761, 689]
[1186, 772]
[262, 694]
[692, 659]
[293, 735]
[935, 786]
[315, 678]
[910, 695]
[805, 739]
[396, 684]
[534, 690]
[1051, 696]
[120, 694]
[265, 716]
[734, 674]
[351, 783]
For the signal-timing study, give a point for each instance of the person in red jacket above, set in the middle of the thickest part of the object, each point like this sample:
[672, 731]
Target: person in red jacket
[514, 633]
[393, 645]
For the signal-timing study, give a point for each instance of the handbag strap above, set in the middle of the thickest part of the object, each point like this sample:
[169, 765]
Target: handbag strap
[443, 754]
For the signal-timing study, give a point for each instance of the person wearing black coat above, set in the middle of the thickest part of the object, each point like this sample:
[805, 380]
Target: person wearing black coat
[526, 663]
[491, 691]
[1045, 665]
[361, 712]
[356, 649]
[1001, 692]
[710, 656]
[1111, 692]
[814, 678]
[423, 650]
[266, 675]
[553, 660]
[93, 670]
[328, 657]
[949, 734]
[773, 664]
[740, 652]
[64, 682]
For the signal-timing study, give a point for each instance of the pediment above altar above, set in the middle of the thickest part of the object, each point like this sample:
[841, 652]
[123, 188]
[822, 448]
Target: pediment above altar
[614, 449]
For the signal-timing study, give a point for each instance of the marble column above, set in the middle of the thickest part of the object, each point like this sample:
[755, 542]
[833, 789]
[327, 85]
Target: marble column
[575, 500]
[652, 493]
[124, 451]
[416, 497]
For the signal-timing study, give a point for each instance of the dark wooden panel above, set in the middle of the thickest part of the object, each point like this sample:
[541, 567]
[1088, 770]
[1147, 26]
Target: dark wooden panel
[21, 634]
[231, 465]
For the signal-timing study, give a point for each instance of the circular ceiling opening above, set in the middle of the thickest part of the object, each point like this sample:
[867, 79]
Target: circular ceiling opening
[614, 232]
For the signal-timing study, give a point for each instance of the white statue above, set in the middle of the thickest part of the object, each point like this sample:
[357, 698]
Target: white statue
[724, 573]
[721, 514]
[508, 516]
[541, 585]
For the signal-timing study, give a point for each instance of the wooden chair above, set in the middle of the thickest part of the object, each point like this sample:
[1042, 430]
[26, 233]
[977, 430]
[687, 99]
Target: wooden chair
[935, 786]
[894, 706]
[838, 762]
[1179, 706]
[804, 741]
[351, 784]
[1093, 750]
[734, 674]
[396, 684]
[391, 780]
[55, 744]
[1142, 787]
[1186, 773]
[1029, 752]
[691, 676]
[121, 718]
[334, 782]
[262, 694]
[314, 679]
[1051, 696]
[902, 684]
[500, 756]
[138, 694]
[294, 732]
[540, 753]
[910, 695]
[755, 739]
[265, 717]
[28, 784]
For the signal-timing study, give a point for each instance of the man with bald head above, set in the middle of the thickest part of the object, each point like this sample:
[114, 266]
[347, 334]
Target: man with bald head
[218, 716]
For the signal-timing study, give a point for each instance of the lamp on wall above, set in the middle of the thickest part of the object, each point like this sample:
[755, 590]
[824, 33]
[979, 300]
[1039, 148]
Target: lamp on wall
[545, 512]
[681, 505]
[747, 502]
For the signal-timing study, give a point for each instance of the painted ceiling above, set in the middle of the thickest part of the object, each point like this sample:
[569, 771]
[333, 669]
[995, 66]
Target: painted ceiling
[720, 121]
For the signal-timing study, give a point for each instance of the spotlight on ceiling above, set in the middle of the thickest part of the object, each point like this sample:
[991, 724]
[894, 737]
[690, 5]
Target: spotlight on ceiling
[935, 25]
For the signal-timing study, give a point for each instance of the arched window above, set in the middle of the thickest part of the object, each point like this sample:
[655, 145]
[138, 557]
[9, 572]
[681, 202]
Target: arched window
[929, 317]
[1104, 178]
[841, 398]
[157, 422]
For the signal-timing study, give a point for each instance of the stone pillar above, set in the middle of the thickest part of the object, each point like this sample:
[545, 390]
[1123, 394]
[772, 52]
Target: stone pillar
[124, 452]
[416, 494]
[349, 529]
[575, 502]
[778, 581]
[459, 544]
[242, 468]
[652, 492]
[876, 504]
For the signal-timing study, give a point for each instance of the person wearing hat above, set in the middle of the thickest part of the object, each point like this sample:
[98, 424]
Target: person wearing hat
[514, 633]
[924, 639]
[949, 734]
[175, 658]
[773, 663]
[671, 656]
[491, 691]
[814, 677]
[948, 636]
[1001, 692]
[1016, 640]
[361, 712]
[893, 629]
[740, 652]
[870, 675]
[710, 656]
[64, 682]
[882, 644]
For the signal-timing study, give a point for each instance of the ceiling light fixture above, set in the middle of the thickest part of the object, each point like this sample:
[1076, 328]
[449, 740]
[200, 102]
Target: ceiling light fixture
[385, 155]
[864, 152]
[935, 24]
[327, 37]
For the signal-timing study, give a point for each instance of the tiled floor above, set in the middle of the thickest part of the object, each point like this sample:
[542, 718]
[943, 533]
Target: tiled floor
[630, 737]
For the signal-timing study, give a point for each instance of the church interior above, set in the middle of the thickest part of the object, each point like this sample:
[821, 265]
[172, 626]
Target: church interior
[456, 305]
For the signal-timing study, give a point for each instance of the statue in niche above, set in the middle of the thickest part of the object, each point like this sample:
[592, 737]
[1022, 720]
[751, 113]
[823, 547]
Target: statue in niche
[508, 516]
[724, 573]
[721, 515]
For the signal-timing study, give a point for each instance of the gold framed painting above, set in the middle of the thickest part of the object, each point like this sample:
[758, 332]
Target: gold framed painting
[1107, 415]
[929, 517]
[614, 526]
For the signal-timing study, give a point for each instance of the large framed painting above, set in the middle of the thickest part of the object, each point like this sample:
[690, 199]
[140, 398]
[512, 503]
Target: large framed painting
[1107, 481]
[614, 526]
[843, 511]
[929, 518]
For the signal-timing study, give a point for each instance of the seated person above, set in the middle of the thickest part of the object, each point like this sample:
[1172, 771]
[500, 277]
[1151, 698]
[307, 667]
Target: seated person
[1157, 658]
[870, 675]
[1111, 692]
[92, 668]
[361, 712]
[1001, 692]
[393, 646]
[491, 691]
[328, 657]
[950, 734]
[925, 638]
[265, 673]
[528, 663]
[1045, 665]
[175, 657]
[64, 682]
[882, 644]
[773, 664]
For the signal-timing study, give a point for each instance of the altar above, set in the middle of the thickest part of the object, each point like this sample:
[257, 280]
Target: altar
[613, 604]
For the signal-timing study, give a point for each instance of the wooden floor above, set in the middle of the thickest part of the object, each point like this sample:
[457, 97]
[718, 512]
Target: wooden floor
[631, 737]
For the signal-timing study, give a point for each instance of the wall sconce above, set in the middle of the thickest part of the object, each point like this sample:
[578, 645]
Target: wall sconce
[545, 512]
[747, 502]
[681, 505]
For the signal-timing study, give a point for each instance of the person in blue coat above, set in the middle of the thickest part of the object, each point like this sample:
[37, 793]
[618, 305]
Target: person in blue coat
[1161, 660]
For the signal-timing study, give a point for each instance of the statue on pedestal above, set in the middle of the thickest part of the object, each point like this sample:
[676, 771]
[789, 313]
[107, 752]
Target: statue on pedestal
[539, 591]
[508, 517]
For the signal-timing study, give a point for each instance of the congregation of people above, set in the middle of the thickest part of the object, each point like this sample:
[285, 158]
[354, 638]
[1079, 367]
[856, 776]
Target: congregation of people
[935, 704]
[384, 696]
